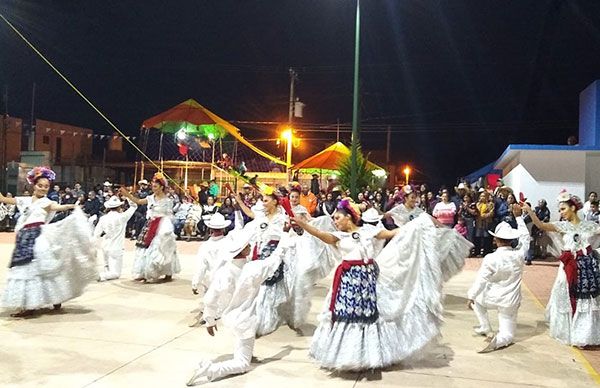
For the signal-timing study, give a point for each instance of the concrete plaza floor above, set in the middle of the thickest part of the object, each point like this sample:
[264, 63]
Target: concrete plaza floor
[125, 334]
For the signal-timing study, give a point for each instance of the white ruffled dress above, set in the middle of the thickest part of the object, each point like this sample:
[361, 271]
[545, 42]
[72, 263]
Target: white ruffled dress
[408, 275]
[583, 327]
[63, 259]
[160, 257]
[274, 291]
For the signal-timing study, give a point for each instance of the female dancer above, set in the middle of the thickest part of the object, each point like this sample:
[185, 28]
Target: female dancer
[268, 231]
[46, 268]
[156, 252]
[371, 318]
[574, 306]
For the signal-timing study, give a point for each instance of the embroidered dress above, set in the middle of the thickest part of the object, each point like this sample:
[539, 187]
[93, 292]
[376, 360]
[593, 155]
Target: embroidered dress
[51, 263]
[382, 311]
[156, 252]
[573, 311]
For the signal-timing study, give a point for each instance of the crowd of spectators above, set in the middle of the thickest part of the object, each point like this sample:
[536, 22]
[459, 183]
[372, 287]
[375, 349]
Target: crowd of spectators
[472, 211]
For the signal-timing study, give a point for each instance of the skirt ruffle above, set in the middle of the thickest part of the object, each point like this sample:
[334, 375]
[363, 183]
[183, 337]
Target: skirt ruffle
[580, 329]
[160, 258]
[413, 267]
[62, 267]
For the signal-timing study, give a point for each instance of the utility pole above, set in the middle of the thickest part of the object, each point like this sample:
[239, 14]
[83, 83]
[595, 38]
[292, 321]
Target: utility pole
[389, 141]
[355, 113]
[293, 79]
[289, 136]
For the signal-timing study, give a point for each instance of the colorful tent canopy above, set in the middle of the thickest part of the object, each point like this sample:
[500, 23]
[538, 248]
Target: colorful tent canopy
[330, 159]
[199, 121]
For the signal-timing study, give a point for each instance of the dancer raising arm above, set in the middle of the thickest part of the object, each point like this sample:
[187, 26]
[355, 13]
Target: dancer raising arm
[574, 306]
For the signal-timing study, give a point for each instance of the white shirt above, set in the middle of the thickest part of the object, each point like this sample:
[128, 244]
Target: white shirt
[113, 225]
[498, 282]
[207, 260]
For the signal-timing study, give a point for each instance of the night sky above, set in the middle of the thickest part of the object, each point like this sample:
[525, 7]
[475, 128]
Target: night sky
[457, 81]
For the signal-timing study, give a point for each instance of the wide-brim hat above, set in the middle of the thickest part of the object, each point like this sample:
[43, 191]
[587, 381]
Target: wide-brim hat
[461, 186]
[107, 183]
[238, 243]
[142, 182]
[113, 202]
[218, 221]
[371, 215]
[247, 186]
[505, 232]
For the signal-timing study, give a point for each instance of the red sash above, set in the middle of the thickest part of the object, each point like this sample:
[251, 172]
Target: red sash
[152, 230]
[570, 267]
[337, 278]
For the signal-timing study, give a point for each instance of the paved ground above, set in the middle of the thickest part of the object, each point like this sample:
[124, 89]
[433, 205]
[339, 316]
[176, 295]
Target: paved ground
[122, 334]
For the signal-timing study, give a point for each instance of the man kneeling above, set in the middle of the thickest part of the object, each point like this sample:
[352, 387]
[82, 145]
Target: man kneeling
[498, 283]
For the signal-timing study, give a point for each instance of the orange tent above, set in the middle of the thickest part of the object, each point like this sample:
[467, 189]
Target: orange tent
[329, 159]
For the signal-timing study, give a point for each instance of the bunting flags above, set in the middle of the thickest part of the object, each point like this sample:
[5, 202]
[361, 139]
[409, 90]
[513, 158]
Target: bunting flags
[63, 132]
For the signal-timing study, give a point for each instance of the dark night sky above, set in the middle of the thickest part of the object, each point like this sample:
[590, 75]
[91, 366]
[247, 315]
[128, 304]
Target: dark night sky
[457, 80]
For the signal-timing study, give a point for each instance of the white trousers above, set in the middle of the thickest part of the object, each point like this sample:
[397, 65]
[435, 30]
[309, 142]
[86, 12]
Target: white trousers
[507, 322]
[242, 355]
[113, 263]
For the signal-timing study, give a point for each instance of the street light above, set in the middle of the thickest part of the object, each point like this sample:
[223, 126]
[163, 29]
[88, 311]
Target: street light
[355, 130]
[288, 136]
[406, 173]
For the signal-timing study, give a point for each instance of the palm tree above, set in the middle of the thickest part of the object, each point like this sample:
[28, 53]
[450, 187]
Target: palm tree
[363, 174]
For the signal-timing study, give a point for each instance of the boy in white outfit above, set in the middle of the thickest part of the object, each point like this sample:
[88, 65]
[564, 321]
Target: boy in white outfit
[498, 283]
[233, 292]
[110, 232]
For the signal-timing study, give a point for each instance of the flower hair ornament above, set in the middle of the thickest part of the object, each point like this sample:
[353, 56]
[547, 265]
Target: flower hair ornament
[564, 196]
[351, 208]
[160, 178]
[40, 172]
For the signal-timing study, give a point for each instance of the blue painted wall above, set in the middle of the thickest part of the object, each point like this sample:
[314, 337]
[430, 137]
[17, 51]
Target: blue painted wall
[589, 115]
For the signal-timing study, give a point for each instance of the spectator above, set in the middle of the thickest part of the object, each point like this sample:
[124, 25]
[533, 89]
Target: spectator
[460, 227]
[592, 196]
[54, 194]
[77, 190]
[203, 193]
[92, 206]
[445, 210]
[308, 200]
[228, 211]
[181, 211]
[379, 202]
[213, 188]
[314, 184]
[483, 222]
[468, 211]
[593, 214]
[327, 207]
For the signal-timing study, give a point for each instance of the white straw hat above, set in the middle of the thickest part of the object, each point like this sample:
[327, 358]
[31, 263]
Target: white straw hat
[505, 232]
[371, 215]
[113, 202]
[218, 221]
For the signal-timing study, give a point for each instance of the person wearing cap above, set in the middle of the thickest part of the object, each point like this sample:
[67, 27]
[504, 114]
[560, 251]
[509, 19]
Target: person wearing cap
[314, 184]
[110, 233]
[498, 283]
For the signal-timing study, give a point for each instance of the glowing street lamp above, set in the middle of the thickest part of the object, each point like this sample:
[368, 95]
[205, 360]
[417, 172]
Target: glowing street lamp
[406, 173]
[288, 136]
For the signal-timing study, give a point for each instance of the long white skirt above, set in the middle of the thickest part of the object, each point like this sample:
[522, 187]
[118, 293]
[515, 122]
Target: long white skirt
[63, 264]
[409, 300]
[580, 329]
[160, 258]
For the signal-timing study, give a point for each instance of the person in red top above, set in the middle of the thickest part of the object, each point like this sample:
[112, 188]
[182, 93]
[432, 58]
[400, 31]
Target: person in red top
[308, 200]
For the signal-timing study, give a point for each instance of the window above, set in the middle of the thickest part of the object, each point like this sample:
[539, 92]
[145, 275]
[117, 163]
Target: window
[46, 140]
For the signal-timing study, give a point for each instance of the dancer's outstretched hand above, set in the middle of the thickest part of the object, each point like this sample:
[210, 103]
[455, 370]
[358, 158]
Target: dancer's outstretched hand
[470, 304]
[211, 330]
